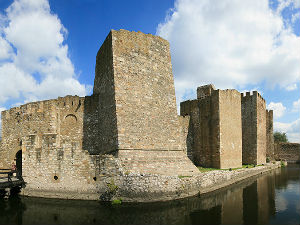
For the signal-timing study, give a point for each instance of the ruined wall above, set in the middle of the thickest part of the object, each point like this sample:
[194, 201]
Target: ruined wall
[254, 128]
[289, 152]
[66, 118]
[269, 135]
[230, 129]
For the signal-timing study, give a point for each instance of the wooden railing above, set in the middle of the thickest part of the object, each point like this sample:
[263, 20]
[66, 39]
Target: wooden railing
[7, 173]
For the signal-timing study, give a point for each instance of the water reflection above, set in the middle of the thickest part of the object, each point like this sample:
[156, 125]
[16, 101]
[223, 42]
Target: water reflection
[268, 199]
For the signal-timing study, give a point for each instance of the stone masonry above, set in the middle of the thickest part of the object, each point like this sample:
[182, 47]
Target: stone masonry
[216, 127]
[289, 152]
[254, 128]
[138, 117]
[125, 140]
[270, 137]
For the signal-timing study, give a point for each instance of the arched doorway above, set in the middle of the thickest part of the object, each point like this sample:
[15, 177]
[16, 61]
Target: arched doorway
[19, 163]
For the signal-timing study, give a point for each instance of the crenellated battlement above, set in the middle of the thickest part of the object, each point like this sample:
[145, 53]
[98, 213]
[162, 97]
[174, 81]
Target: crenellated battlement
[68, 102]
[253, 95]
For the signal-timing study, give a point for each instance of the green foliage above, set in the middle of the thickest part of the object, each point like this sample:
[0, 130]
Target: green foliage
[116, 202]
[203, 169]
[280, 137]
[112, 187]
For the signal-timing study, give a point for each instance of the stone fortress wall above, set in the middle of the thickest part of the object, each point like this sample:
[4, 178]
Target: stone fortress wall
[137, 104]
[215, 127]
[270, 136]
[227, 128]
[254, 128]
[126, 140]
[289, 152]
[56, 143]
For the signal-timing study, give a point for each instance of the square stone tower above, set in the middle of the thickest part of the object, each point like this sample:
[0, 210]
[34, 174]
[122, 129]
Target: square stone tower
[270, 137]
[216, 127]
[137, 106]
[254, 128]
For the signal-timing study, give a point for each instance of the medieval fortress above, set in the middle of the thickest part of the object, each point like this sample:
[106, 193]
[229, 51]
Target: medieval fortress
[126, 139]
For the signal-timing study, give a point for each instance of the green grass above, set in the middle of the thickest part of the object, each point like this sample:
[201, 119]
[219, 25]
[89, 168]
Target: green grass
[180, 176]
[204, 169]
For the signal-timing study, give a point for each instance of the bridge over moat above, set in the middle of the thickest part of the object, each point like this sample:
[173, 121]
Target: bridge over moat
[10, 179]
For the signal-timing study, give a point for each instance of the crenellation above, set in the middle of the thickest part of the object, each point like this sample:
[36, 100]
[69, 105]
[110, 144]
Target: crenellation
[254, 129]
[128, 134]
[213, 117]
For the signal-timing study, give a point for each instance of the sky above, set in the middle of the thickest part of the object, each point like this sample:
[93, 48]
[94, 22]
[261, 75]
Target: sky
[48, 47]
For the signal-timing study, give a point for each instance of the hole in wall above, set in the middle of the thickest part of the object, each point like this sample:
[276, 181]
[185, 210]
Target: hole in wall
[55, 177]
[94, 178]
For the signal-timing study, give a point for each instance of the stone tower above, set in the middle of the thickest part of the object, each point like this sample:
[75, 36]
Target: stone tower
[138, 118]
[254, 128]
[216, 127]
[270, 137]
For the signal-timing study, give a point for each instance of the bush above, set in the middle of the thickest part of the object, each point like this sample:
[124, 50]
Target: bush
[280, 137]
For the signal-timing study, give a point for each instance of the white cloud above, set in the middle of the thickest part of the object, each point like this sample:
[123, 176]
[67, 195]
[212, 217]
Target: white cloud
[296, 106]
[277, 108]
[291, 129]
[294, 4]
[230, 43]
[35, 63]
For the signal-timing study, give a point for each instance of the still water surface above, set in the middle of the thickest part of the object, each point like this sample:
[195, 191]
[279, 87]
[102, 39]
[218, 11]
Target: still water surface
[273, 198]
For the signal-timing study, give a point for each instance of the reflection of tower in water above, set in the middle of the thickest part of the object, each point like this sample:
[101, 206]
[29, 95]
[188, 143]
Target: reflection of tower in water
[259, 201]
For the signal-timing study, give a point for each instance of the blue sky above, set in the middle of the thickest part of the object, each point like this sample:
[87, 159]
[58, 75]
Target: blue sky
[48, 48]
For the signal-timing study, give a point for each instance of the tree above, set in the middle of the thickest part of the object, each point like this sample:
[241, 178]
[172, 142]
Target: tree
[280, 137]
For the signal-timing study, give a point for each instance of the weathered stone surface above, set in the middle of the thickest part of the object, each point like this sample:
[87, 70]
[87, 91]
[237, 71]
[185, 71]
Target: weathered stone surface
[269, 134]
[126, 137]
[126, 140]
[289, 152]
[138, 114]
[254, 128]
[215, 129]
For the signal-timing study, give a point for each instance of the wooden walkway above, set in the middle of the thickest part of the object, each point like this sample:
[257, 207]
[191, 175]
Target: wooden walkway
[8, 180]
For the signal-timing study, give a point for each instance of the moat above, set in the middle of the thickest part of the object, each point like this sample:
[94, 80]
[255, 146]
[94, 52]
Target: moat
[272, 198]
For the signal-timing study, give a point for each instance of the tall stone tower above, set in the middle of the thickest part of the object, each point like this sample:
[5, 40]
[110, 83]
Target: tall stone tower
[254, 128]
[270, 137]
[138, 118]
[216, 127]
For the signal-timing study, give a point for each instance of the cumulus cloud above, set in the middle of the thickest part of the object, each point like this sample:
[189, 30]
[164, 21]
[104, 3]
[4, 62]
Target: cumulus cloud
[291, 129]
[278, 109]
[34, 60]
[230, 43]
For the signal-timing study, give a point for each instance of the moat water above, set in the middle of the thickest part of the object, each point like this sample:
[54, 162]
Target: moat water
[273, 198]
